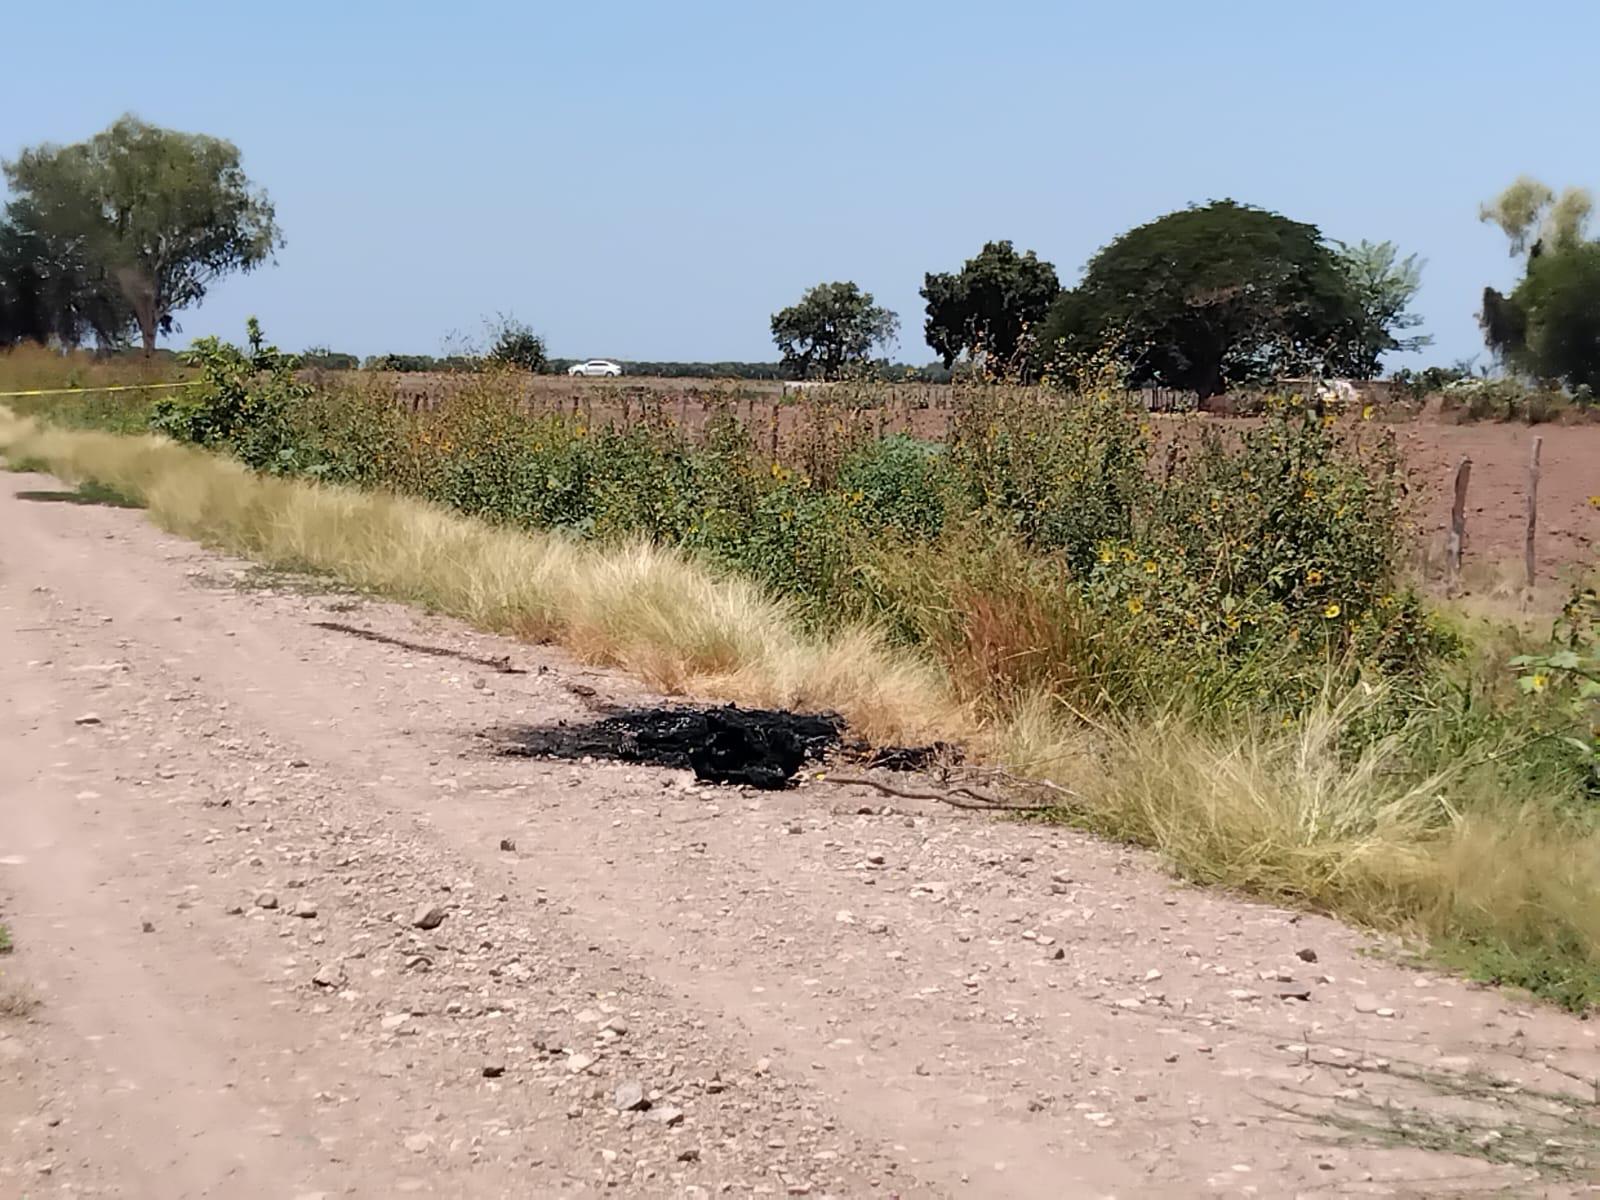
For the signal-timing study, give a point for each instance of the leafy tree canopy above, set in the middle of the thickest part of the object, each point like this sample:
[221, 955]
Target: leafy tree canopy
[834, 326]
[150, 214]
[989, 308]
[51, 292]
[1215, 296]
[517, 345]
[1549, 326]
[1385, 284]
[1532, 216]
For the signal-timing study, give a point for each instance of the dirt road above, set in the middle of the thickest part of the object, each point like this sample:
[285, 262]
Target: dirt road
[223, 825]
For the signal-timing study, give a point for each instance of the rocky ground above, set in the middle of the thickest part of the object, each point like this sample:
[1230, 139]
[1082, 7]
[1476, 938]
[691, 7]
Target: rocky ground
[287, 926]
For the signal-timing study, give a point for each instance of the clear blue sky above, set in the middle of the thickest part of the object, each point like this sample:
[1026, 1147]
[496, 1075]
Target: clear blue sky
[653, 180]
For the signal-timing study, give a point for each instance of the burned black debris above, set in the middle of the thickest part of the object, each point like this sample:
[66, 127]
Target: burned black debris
[907, 758]
[763, 748]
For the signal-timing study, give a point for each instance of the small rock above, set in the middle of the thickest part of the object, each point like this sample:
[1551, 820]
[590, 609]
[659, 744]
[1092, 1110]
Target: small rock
[298, 763]
[845, 917]
[667, 1115]
[395, 1022]
[794, 827]
[329, 975]
[147, 926]
[234, 910]
[427, 916]
[304, 909]
[1059, 954]
[1152, 975]
[876, 860]
[1385, 1012]
[267, 900]
[1243, 994]
[579, 1063]
[689, 1154]
[629, 1096]
[418, 1142]
[1366, 1004]
[1293, 993]
[493, 1070]
[616, 1025]
[1306, 955]
[507, 844]
[87, 718]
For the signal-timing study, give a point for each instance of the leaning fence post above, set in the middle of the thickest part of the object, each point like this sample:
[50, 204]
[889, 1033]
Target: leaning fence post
[1533, 508]
[1458, 516]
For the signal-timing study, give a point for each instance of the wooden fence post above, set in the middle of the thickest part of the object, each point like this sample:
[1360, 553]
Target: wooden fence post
[1458, 517]
[1533, 509]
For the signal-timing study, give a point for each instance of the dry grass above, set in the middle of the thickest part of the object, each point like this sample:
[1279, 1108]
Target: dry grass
[26, 367]
[650, 611]
[1277, 811]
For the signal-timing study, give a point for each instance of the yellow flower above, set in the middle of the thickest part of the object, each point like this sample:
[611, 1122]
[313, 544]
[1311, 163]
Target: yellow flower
[1540, 682]
[1106, 555]
[1313, 577]
[1331, 610]
[1150, 567]
[1366, 413]
[1594, 501]
[1127, 555]
[1135, 605]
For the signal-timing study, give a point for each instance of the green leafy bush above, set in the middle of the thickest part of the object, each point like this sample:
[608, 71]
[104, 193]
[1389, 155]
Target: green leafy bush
[244, 403]
[900, 483]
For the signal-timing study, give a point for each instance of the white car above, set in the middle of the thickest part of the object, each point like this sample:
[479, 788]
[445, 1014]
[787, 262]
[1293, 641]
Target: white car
[596, 368]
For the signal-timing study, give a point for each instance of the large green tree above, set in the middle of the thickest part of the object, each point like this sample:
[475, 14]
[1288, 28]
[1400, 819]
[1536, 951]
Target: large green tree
[158, 213]
[1211, 297]
[990, 307]
[50, 291]
[1385, 284]
[834, 326]
[1549, 326]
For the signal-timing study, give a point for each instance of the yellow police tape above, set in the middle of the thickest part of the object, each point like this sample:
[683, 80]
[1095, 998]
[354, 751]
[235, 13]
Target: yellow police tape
[121, 387]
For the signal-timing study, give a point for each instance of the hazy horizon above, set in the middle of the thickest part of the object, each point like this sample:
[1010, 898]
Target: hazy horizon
[645, 184]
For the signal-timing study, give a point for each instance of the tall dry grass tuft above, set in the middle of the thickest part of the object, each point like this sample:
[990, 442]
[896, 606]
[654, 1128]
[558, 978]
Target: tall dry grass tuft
[1512, 884]
[651, 611]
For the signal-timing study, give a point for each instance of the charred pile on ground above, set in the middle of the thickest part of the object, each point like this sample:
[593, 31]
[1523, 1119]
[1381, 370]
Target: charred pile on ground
[763, 748]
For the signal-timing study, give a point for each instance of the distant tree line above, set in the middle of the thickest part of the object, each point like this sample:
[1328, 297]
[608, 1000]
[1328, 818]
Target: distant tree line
[105, 242]
[1199, 300]
[754, 371]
